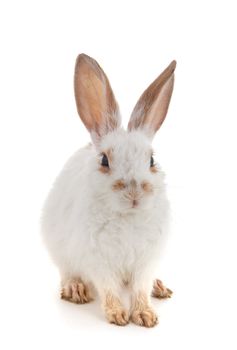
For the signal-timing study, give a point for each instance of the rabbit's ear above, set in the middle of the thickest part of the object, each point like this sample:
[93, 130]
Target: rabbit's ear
[151, 109]
[95, 100]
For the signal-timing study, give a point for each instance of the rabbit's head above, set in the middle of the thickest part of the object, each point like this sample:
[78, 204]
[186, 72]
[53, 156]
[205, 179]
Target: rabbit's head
[125, 165]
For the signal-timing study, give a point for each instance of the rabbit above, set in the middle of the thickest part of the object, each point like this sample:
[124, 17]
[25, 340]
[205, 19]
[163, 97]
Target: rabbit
[106, 217]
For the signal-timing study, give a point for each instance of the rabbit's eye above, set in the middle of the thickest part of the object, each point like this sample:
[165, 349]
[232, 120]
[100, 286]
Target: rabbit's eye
[152, 162]
[104, 161]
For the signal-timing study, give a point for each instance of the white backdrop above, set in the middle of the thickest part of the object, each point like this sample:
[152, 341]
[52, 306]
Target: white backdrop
[40, 129]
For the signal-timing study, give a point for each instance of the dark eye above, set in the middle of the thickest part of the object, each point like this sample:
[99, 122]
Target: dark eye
[152, 162]
[104, 161]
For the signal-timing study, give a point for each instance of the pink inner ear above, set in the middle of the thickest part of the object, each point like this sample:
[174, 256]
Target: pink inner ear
[158, 110]
[95, 100]
[89, 89]
[151, 109]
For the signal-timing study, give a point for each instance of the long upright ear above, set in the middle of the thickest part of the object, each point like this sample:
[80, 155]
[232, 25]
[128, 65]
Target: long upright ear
[95, 100]
[151, 109]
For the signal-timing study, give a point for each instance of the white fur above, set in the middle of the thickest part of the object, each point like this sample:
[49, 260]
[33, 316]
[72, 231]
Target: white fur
[92, 231]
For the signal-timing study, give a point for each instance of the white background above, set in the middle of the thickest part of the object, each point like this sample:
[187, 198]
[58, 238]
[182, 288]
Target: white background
[40, 129]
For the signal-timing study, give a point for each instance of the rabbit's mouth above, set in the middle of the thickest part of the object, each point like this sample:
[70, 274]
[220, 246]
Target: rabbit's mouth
[132, 196]
[135, 203]
[130, 206]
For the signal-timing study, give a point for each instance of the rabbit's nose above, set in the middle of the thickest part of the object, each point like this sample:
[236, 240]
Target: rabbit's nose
[133, 183]
[133, 189]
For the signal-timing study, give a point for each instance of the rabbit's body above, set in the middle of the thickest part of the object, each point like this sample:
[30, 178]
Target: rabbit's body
[106, 217]
[86, 234]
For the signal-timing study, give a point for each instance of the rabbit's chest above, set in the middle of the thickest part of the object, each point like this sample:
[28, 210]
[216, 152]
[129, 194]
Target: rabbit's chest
[123, 243]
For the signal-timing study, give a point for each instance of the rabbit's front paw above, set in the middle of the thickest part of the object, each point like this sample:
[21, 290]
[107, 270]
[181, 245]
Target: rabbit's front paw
[160, 291]
[119, 316]
[76, 291]
[142, 313]
[114, 310]
[146, 317]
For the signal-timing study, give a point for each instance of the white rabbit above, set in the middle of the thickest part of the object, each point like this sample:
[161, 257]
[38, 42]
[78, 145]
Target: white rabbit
[107, 214]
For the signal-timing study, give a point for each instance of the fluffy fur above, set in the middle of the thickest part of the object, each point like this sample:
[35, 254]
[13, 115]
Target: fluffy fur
[91, 229]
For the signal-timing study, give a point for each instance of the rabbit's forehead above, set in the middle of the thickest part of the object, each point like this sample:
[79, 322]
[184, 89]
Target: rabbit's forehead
[126, 145]
[131, 152]
[128, 154]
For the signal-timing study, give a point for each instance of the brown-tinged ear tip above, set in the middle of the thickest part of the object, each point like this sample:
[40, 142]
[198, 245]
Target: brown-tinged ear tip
[82, 57]
[85, 60]
[172, 66]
